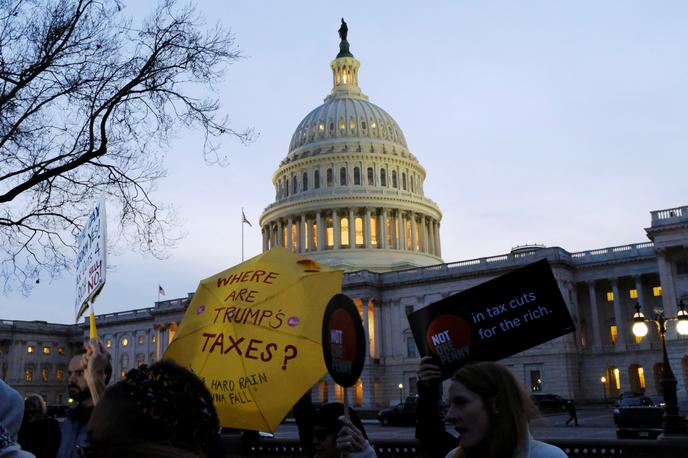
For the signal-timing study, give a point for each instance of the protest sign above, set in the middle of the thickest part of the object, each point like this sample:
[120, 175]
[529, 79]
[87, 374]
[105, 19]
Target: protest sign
[91, 259]
[343, 341]
[252, 333]
[491, 321]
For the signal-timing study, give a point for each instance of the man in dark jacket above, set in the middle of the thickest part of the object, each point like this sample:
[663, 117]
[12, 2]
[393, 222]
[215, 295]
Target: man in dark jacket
[89, 373]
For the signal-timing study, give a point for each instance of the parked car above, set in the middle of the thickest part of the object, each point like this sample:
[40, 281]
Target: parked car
[403, 413]
[638, 421]
[550, 402]
[630, 400]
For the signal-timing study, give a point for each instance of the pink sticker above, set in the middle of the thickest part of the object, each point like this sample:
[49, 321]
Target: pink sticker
[200, 310]
[293, 321]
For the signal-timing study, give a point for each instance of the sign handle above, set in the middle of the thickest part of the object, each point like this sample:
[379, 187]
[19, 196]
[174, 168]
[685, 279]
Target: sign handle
[92, 333]
[346, 403]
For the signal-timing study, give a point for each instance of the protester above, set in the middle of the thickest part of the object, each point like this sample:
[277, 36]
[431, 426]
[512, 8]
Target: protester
[490, 410]
[156, 411]
[571, 409]
[11, 412]
[88, 373]
[38, 434]
[326, 433]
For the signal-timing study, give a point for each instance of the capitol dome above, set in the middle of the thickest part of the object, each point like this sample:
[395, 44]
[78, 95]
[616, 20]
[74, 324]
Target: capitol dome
[349, 193]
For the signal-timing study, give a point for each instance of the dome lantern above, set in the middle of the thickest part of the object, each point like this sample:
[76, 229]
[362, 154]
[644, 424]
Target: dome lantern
[345, 70]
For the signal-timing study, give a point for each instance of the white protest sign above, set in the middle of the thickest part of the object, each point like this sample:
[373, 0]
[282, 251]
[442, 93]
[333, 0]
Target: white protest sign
[90, 259]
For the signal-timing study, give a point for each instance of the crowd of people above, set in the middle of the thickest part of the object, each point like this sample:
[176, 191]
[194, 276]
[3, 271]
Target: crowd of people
[166, 411]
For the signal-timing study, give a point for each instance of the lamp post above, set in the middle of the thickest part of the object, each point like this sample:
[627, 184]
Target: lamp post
[603, 379]
[673, 422]
[401, 392]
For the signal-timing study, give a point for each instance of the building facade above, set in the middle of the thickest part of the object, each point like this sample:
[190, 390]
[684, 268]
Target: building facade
[350, 194]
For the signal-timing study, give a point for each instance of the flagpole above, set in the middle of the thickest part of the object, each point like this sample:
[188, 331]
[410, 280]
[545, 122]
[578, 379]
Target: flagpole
[242, 234]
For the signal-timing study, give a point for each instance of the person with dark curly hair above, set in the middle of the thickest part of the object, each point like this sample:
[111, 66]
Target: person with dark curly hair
[157, 411]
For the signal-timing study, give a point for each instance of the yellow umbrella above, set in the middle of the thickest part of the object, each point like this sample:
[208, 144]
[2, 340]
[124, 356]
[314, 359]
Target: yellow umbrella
[253, 334]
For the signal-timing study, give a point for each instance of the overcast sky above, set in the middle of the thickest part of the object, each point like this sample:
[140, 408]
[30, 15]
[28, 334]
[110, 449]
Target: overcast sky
[559, 123]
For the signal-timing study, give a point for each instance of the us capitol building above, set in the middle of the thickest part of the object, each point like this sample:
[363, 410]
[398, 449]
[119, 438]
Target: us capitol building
[349, 193]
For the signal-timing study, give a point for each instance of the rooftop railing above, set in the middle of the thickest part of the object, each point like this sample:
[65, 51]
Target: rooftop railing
[669, 216]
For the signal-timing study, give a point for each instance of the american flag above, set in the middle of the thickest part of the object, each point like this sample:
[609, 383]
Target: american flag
[244, 220]
[161, 291]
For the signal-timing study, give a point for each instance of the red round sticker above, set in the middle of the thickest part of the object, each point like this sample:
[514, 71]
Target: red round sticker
[448, 332]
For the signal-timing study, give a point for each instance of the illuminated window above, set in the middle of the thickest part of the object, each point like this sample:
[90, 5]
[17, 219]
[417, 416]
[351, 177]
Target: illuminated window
[322, 389]
[342, 125]
[123, 373]
[610, 296]
[357, 176]
[46, 350]
[394, 178]
[657, 291]
[373, 125]
[305, 232]
[418, 236]
[125, 341]
[30, 349]
[154, 339]
[284, 236]
[613, 334]
[321, 127]
[373, 230]
[389, 232]
[44, 374]
[617, 378]
[59, 375]
[633, 294]
[352, 124]
[314, 231]
[359, 230]
[641, 378]
[28, 374]
[535, 381]
[338, 393]
[329, 232]
[293, 237]
[342, 176]
[330, 178]
[60, 350]
[305, 181]
[383, 178]
[124, 362]
[108, 343]
[637, 339]
[358, 393]
[141, 340]
[344, 231]
[139, 360]
[409, 239]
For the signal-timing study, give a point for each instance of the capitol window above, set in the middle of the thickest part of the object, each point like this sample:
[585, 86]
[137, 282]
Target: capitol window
[363, 124]
[141, 340]
[352, 124]
[286, 188]
[329, 232]
[60, 350]
[59, 375]
[316, 179]
[314, 231]
[295, 185]
[344, 231]
[342, 176]
[613, 334]
[46, 350]
[359, 231]
[373, 230]
[357, 176]
[657, 291]
[383, 178]
[44, 374]
[28, 374]
[633, 294]
[342, 124]
[403, 181]
[331, 126]
[610, 296]
[394, 178]
[321, 127]
[125, 341]
[371, 177]
[30, 349]
[330, 178]
[305, 181]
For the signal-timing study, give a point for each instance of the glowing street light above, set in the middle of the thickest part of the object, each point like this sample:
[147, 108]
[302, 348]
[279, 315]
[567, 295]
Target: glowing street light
[673, 422]
[401, 392]
[603, 379]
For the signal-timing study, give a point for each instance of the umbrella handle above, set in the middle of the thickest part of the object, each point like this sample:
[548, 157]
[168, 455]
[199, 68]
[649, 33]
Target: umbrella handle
[346, 403]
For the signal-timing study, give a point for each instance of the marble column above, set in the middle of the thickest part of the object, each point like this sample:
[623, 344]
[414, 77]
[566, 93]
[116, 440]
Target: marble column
[309, 234]
[366, 330]
[594, 314]
[266, 240]
[393, 228]
[352, 229]
[431, 237]
[336, 229]
[402, 233]
[382, 229]
[619, 316]
[414, 232]
[301, 235]
[280, 233]
[366, 230]
[290, 239]
[320, 233]
[666, 279]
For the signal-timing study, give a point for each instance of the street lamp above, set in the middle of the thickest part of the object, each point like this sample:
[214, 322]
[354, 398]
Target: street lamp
[673, 422]
[401, 392]
[603, 379]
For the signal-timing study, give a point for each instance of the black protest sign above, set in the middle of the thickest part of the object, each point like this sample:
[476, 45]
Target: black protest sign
[493, 320]
[343, 341]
